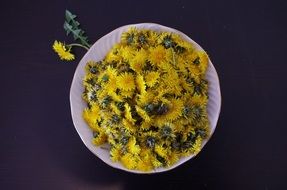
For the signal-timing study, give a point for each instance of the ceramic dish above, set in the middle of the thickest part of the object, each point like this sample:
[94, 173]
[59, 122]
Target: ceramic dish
[96, 53]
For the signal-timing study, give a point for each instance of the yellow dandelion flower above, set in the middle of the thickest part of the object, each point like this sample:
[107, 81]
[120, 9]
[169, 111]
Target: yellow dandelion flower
[115, 48]
[142, 39]
[186, 97]
[152, 38]
[138, 61]
[89, 94]
[203, 58]
[92, 115]
[102, 94]
[100, 139]
[145, 153]
[129, 126]
[107, 75]
[128, 113]
[111, 72]
[126, 81]
[172, 82]
[95, 110]
[171, 79]
[194, 73]
[197, 65]
[161, 91]
[145, 98]
[115, 154]
[89, 80]
[175, 37]
[166, 66]
[151, 78]
[115, 109]
[144, 165]
[145, 125]
[191, 57]
[127, 52]
[132, 147]
[111, 85]
[62, 51]
[111, 139]
[110, 80]
[163, 36]
[126, 94]
[172, 158]
[129, 36]
[179, 65]
[122, 67]
[197, 145]
[129, 161]
[157, 55]
[182, 66]
[92, 68]
[160, 151]
[179, 125]
[115, 96]
[155, 162]
[106, 114]
[160, 120]
[141, 86]
[143, 114]
[186, 86]
[136, 66]
[187, 130]
[198, 115]
[149, 133]
[176, 90]
[187, 46]
[175, 109]
[113, 56]
[199, 99]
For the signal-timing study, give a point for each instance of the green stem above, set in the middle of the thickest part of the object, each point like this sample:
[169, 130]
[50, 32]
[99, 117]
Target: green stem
[79, 45]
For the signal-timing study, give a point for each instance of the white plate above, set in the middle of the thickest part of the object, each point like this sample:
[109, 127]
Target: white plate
[96, 53]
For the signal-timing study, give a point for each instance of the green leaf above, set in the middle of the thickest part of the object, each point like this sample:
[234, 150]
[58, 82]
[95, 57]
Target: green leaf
[76, 34]
[69, 16]
[67, 27]
[71, 26]
[74, 23]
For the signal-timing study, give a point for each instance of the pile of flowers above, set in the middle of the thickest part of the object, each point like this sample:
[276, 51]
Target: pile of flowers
[148, 99]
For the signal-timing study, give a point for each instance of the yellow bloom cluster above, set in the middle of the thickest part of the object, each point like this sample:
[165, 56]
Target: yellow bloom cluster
[148, 99]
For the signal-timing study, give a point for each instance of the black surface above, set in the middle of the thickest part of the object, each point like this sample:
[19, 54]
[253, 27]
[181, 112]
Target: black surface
[246, 41]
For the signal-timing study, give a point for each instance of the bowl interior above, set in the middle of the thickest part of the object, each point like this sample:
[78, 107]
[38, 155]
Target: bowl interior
[96, 53]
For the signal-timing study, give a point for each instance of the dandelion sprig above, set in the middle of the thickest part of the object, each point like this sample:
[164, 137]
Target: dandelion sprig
[71, 26]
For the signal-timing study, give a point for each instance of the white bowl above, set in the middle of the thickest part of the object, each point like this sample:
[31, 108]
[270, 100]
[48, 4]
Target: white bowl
[96, 53]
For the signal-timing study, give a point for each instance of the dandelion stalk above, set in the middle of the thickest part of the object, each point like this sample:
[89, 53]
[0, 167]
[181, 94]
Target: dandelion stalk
[78, 45]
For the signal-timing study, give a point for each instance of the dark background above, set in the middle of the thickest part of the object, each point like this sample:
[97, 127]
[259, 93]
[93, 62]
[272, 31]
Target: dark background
[40, 149]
